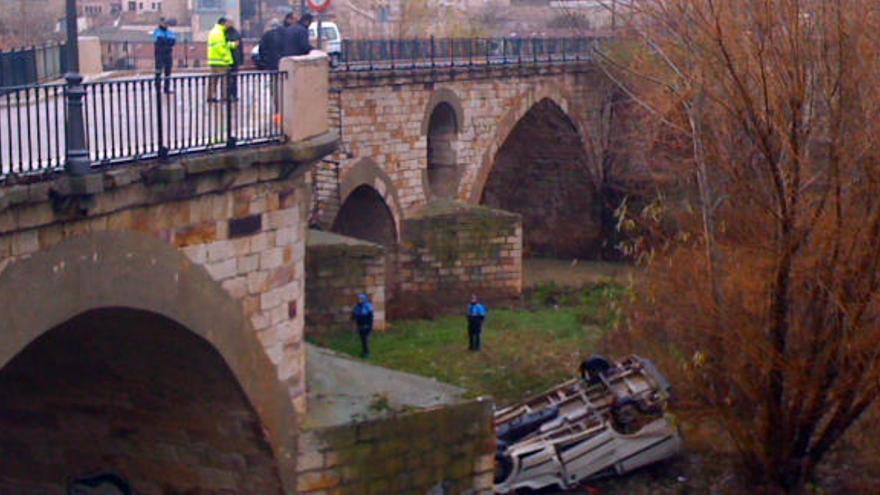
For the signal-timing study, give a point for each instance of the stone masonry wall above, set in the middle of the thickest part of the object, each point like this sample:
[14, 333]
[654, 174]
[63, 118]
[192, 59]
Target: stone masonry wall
[384, 119]
[451, 249]
[337, 270]
[449, 450]
[241, 217]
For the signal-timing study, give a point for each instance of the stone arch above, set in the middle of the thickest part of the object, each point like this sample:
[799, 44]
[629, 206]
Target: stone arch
[542, 173]
[136, 271]
[472, 191]
[443, 121]
[135, 396]
[366, 173]
[443, 96]
[365, 215]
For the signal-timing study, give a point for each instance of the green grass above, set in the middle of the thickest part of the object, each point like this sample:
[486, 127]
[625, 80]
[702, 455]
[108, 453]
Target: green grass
[524, 351]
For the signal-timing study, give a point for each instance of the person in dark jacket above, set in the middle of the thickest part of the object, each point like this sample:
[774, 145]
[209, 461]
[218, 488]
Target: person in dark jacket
[234, 36]
[362, 314]
[289, 19]
[476, 316]
[269, 57]
[270, 47]
[295, 38]
[164, 40]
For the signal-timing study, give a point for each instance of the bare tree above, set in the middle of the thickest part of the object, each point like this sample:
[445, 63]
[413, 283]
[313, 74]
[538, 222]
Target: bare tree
[27, 25]
[762, 297]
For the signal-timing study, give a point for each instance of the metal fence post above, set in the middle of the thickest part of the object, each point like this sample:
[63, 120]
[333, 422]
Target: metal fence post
[78, 162]
[519, 47]
[433, 52]
[230, 80]
[160, 126]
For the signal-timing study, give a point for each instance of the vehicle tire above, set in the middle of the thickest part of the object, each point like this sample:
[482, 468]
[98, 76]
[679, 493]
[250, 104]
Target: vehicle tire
[625, 415]
[335, 59]
[503, 467]
[594, 367]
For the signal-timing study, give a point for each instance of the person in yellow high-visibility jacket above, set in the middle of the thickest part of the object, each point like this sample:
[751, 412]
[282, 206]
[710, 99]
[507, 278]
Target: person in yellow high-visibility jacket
[220, 58]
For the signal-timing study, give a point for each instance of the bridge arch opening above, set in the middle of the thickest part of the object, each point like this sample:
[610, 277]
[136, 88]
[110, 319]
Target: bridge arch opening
[443, 173]
[131, 394]
[541, 172]
[365, 215]
[138, 271]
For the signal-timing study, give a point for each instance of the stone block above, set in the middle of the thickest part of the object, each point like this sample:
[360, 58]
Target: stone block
[26, 242]
[219, 251]
[309, 461]
[223, 269]
[236, 287]
[260, 321]
[271, 259]
[201, 233]
[308, 441]
[282, 218]
[197, 253]
[259, 242]
[247, 264]
[320, 480]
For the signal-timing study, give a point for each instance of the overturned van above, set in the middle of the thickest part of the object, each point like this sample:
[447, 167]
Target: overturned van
[609, 421]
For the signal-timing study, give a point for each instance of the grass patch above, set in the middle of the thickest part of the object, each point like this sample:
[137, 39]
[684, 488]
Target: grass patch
[524, 352]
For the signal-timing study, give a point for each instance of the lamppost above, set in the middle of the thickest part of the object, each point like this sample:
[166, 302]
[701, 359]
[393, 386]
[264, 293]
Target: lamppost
[78, 162]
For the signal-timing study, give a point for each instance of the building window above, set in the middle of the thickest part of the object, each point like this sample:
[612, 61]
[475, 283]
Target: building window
[132, 6]
[212, 4]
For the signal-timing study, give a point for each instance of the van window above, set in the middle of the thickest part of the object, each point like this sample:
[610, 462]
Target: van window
[329, 33]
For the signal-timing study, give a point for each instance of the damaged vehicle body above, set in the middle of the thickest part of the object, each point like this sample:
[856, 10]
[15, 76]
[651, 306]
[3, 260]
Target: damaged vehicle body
[610, 421]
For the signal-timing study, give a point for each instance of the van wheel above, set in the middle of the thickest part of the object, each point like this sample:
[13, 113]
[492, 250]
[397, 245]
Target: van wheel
[503, 467]
[592, 369]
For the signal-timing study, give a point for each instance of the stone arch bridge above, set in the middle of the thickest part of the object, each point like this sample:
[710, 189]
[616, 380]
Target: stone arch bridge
[154, 313]
[437, 147]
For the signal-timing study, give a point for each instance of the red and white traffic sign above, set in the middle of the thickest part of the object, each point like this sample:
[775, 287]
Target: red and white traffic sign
[319, 5]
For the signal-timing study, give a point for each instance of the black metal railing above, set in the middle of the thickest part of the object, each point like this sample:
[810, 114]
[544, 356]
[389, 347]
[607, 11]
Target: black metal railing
[31, 65]
[392, 54]
[141, 118]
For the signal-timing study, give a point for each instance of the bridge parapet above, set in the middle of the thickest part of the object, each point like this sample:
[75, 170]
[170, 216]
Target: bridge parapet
[145, 118]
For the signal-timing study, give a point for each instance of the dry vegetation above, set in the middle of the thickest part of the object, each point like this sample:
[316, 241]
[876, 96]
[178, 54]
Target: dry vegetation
[760, 294]
[26, 26]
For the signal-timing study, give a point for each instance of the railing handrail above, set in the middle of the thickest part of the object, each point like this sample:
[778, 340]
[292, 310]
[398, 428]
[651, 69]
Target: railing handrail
[433, 52]
[133, 119]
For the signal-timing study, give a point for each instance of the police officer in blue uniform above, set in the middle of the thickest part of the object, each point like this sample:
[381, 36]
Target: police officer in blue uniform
[362, 314]
[476, 316]
[164, 40]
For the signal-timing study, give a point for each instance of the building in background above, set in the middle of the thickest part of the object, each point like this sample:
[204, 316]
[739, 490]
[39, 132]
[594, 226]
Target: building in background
[99, 8]
[205, 14]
